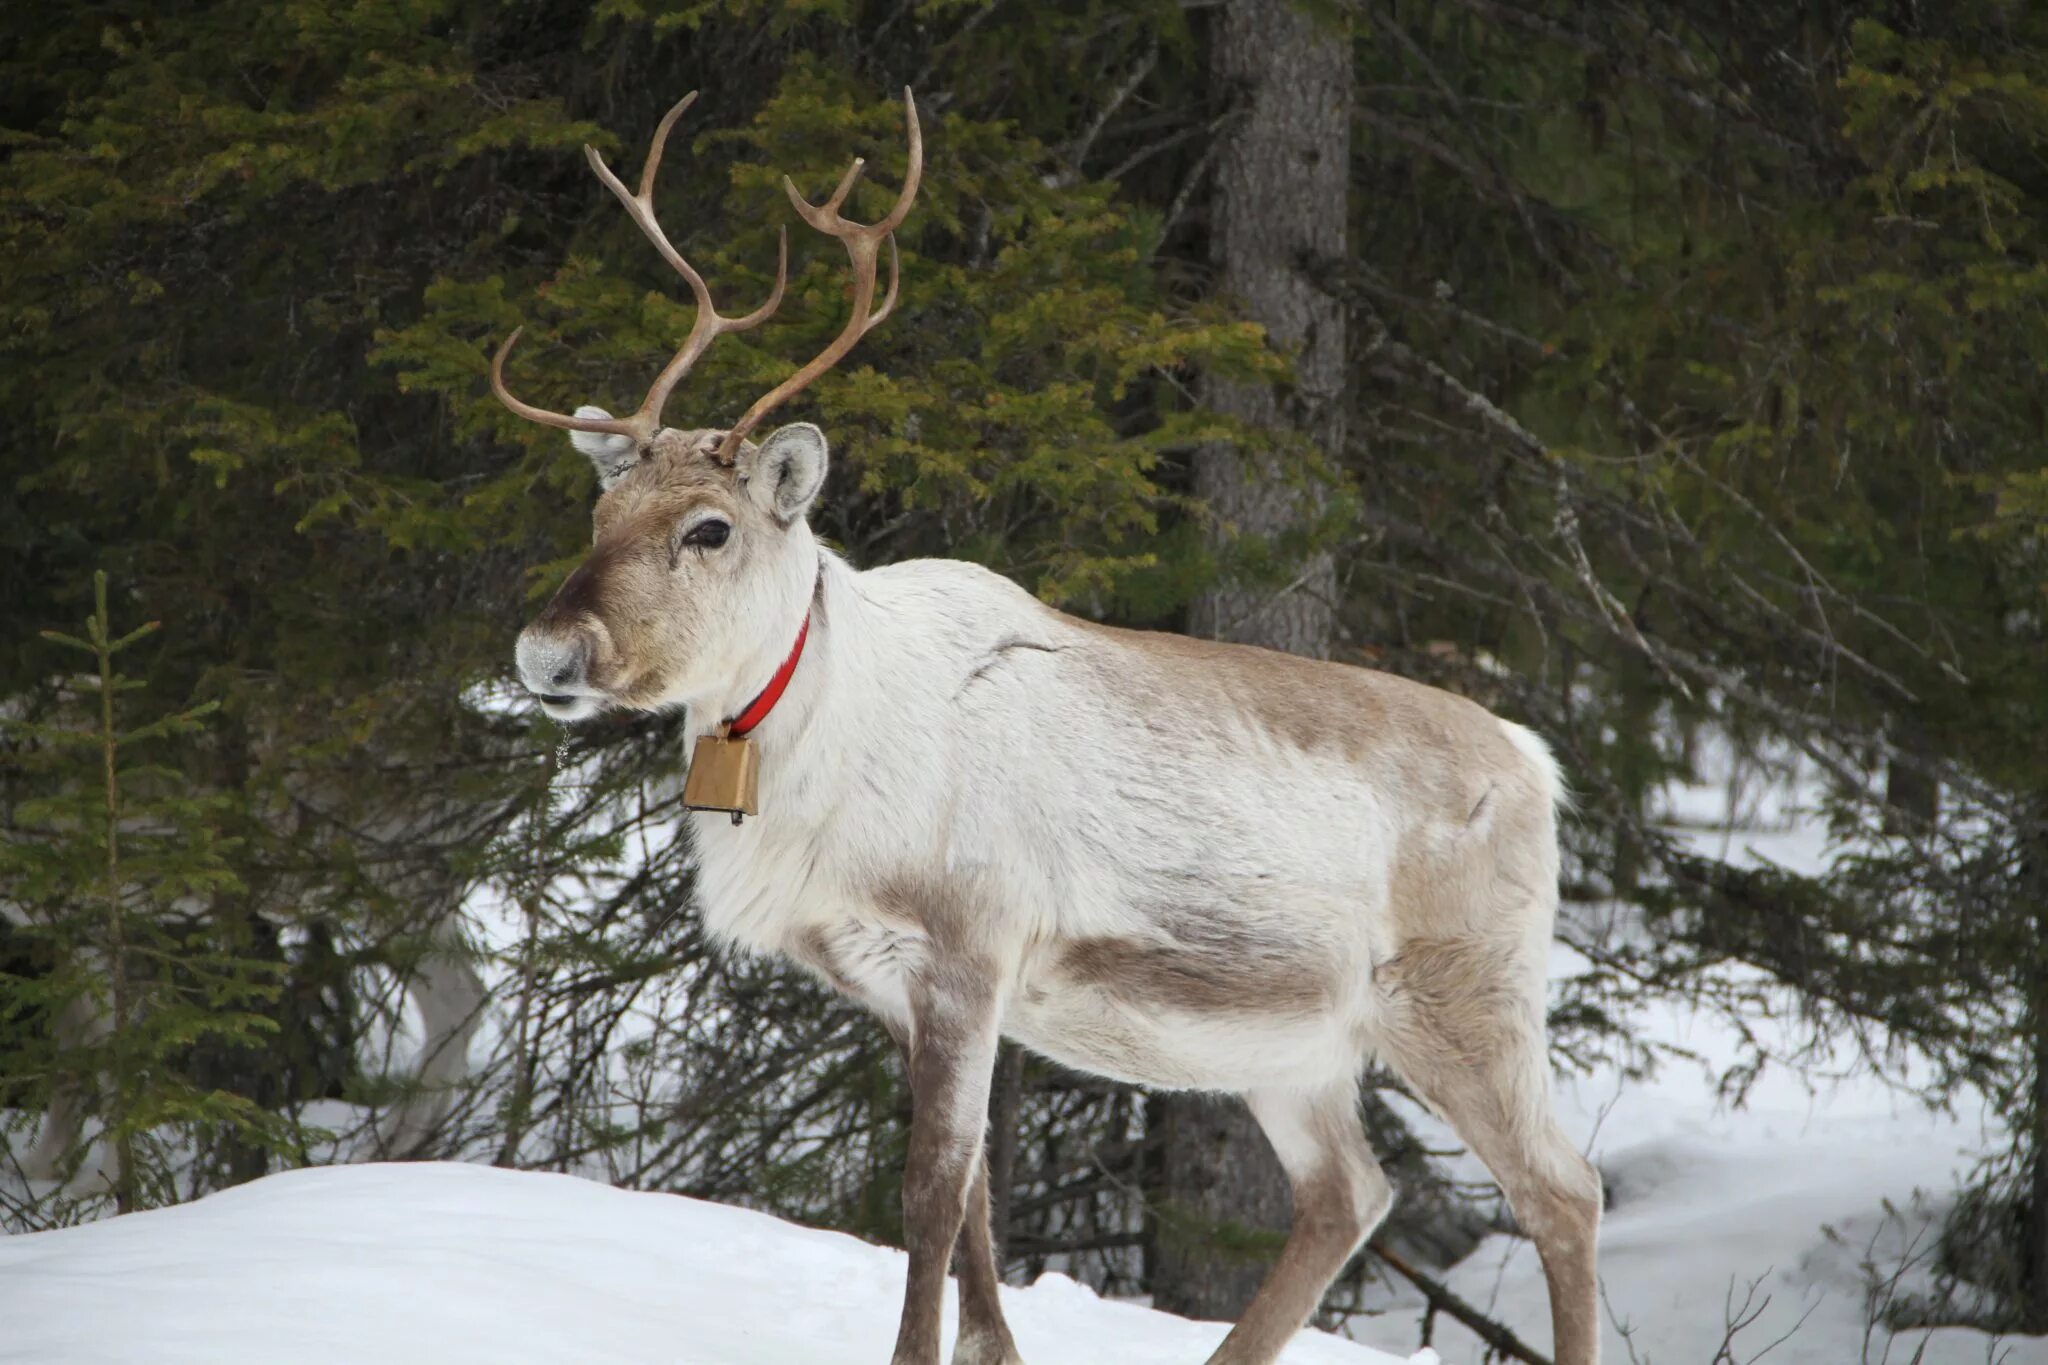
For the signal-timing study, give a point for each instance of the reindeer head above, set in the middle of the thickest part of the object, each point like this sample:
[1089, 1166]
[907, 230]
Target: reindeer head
[701, 563]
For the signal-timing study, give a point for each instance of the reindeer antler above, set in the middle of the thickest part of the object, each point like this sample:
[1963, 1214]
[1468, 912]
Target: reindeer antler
[709, 326]
[863, 242]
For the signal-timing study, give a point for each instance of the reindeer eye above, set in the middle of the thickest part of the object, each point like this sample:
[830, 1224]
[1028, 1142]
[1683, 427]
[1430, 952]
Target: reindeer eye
[708, 534]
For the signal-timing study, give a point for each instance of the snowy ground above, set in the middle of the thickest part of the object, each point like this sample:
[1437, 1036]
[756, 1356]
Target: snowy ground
[1780, 1203]
[449, 1264]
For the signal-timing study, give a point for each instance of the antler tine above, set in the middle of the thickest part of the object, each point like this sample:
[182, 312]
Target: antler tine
[708, 326]
[653, 161]
[846, 184]
[640, 207]
[767, 310]
[888, 304]
[863, 245]
[611, 426]
[913, 170]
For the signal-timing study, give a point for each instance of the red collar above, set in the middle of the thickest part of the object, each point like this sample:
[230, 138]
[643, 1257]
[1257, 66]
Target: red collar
[757, 710]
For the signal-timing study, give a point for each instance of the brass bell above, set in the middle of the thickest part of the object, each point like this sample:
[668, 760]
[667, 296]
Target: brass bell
[725, 774]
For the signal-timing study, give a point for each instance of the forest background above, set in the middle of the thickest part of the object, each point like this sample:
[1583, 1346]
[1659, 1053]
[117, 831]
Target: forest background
[1656, 371]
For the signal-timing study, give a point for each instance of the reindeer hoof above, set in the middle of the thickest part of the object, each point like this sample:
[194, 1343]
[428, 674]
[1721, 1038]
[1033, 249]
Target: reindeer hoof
[986, 1349]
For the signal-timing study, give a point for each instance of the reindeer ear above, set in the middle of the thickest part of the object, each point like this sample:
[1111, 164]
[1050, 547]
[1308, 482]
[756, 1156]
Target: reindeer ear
[614, 456]
[784, 473]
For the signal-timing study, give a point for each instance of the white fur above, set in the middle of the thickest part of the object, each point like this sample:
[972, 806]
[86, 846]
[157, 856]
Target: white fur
[786, 471]
[613, 455]
[1051, 798]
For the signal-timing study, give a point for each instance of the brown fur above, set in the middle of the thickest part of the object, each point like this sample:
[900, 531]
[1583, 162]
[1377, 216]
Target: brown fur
[1177, 976]
[1472, 1047]
[622, 591]
[949, 1058]
[812, 948]
[1295, 701]
[946, 911]
[949, 1051]
[1460, 994]
[984, 1337]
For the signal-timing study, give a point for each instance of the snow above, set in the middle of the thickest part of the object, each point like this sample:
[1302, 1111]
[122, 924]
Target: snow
[443, 1264]
[1781, 1202]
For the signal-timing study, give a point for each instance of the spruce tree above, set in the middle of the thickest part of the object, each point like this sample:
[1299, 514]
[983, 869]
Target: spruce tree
[117, 870]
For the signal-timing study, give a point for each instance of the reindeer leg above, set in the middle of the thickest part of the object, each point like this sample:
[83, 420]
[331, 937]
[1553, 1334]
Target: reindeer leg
[952, 1058]
[1470, 1043]
[1340, 1195]
[984, 1336]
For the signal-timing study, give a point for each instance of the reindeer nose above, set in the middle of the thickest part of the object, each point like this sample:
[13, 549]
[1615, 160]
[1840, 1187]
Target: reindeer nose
[554, 665]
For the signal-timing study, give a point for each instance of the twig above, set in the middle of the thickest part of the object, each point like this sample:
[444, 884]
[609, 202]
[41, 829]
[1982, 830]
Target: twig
[1077, 155]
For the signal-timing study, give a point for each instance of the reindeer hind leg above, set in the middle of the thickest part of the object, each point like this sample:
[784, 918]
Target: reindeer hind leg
[1464, 1028]
[1340, 1195]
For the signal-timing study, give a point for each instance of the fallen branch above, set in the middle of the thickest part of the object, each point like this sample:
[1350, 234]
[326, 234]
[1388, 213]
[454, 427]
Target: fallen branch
[1496, 1336]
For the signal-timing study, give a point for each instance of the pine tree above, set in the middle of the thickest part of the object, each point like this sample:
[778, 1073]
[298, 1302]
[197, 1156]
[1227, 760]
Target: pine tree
[117, 870]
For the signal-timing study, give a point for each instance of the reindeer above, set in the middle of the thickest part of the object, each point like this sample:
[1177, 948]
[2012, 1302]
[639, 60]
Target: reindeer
[1172, 862]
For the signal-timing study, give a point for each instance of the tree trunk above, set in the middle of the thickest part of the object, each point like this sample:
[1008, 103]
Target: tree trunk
[1007, 1095]
[1279, 199]
[1222, 1205]
[2034, 1253]
[1912, 797]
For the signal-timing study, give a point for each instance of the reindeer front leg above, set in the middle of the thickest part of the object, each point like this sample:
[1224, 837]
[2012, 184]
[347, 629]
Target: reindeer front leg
[952, 1053]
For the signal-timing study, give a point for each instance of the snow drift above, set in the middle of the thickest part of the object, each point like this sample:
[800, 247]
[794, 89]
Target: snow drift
[446, 1264]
